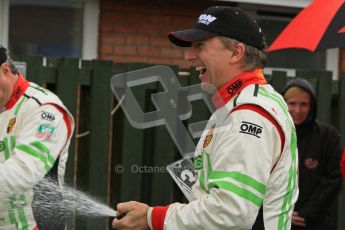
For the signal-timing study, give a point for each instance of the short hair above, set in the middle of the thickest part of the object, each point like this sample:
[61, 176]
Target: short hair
[253, 57]
[5, 57]
[10, 63]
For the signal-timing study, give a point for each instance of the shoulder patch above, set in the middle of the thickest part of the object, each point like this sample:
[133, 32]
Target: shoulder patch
[251, 129]
[44, 131]
[47, 116]
[11, 124]
[208, 138]
[198, 162]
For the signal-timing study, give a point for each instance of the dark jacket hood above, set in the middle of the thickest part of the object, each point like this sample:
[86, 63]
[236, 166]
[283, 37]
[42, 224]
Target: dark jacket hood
[305, 85]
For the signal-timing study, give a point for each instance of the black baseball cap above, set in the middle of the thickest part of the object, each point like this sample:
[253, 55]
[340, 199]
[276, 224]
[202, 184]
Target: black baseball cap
[3, 55]
[232, 22]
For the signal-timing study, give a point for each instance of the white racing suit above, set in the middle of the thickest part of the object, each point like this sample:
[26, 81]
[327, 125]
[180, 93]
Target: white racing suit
[35, 132]
[245, 159]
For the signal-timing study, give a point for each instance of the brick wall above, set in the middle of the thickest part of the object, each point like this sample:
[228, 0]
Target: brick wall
[136, 30]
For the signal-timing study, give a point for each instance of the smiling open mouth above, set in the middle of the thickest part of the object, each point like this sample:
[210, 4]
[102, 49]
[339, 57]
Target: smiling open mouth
[201, 69]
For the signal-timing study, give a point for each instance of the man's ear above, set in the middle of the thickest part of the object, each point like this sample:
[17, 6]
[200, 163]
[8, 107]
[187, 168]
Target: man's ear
[237, 53]
[5, 68]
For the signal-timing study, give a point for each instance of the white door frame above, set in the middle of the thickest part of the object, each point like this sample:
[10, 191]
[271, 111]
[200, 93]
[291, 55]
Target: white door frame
[4, 22]
[90, 29]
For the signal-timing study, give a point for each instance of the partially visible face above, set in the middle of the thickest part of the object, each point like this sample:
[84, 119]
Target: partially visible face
[299, 106]
[209, 58]
[6, 86]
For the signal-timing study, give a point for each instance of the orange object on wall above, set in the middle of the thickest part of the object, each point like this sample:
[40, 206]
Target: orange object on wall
[342, 164]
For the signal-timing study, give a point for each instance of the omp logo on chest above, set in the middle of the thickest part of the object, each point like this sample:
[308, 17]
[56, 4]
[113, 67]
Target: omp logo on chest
[47, 116]
[206, 19]
[251, 129]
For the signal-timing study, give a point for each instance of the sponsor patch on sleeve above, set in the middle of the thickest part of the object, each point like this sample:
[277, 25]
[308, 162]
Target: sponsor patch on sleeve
[44, 131]
[11, 124]
[47, 116]
[198, 162]
[251, 129]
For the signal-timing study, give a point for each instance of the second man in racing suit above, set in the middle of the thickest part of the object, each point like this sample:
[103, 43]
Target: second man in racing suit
[35, 132]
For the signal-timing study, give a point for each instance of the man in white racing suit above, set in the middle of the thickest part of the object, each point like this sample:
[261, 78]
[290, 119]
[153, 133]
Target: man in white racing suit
[246, 158]
[35, 132]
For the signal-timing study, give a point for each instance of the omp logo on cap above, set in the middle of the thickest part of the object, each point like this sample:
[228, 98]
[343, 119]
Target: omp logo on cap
[251, 129]
[206, 19]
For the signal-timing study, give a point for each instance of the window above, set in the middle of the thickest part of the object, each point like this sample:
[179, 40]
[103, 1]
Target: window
[45, 28]
[50, 28]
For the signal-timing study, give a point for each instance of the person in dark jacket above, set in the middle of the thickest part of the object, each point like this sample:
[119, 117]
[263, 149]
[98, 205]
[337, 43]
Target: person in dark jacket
[319, 151]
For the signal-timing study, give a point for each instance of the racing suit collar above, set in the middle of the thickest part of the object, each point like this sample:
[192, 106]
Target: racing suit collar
[18, 90]
[235, 86]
